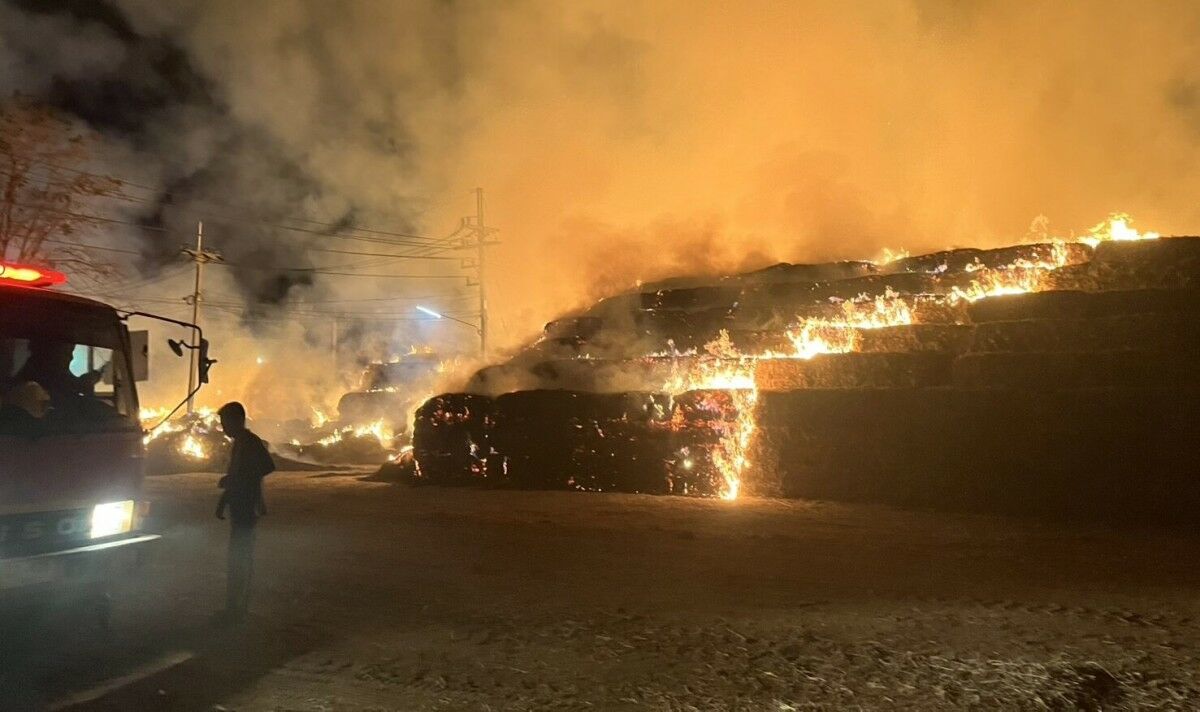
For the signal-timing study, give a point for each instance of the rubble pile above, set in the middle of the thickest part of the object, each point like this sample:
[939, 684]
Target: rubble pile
[1054, 377]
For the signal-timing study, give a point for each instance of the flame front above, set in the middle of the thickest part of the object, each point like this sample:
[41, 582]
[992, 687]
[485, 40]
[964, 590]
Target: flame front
[191, 447]
[1116, 227]
[191, 444]
[814, 336]
[1020, 277]
[726, 368]
[377, 429]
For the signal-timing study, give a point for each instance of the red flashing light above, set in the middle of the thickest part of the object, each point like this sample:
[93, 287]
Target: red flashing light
[30, 276]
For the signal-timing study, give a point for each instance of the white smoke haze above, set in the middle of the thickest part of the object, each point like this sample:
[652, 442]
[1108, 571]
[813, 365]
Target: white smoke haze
[619, 142]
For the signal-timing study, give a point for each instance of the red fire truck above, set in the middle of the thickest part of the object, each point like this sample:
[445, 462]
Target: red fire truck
[71, 450]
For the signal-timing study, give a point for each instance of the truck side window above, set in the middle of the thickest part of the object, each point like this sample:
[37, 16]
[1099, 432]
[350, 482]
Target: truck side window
[54, 381]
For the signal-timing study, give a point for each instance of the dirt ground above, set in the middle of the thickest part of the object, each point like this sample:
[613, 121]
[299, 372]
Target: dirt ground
[371, 596]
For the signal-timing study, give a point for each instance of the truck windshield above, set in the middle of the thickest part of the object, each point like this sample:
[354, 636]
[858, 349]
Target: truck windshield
[67, 374]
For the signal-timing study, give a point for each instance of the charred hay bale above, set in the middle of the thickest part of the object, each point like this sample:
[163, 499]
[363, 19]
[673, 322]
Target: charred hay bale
[348, 448]
[1071, 277]
[595, 375]
[1107, 453]
[682, 328]
[785, 272]
[854, 370]
[780, 316]
[703, 424]
[934, 309]
[689, 282]
[192, 450]
[1076, 370]
[504, 378]
[1131, 332]
[942, 338]
[567, 374]
[691, 299]
[367, 406]
[535, 434]
[193, 443]
[925, 309]
[621, 447]
[1084, 305]
[576, 327]
[766, 304]
[761, 341]
[875, 286]
[615, 310]
[450, 437]
[959, 260]
[1172, 262]
[570, 440]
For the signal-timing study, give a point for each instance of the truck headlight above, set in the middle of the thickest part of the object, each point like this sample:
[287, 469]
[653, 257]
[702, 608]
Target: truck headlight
[112, 518]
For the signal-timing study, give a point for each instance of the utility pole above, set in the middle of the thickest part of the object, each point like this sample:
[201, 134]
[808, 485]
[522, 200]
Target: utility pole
[201, 257]
[333, 343]
[472, 234]
[481, 241]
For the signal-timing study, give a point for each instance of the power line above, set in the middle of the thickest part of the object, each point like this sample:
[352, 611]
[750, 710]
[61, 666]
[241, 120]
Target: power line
[428, 250]
[445, 298]
[142, 284]
[299, 310]
[321, 270]
[168, 195]
[93, 247]
[317, 269]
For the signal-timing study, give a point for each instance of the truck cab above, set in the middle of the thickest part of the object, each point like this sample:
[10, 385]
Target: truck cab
[71, 447]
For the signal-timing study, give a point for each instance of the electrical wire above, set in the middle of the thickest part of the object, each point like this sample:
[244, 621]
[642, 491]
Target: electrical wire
[168, 195]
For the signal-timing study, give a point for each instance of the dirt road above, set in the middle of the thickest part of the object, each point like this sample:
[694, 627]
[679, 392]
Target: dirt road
[372, 596]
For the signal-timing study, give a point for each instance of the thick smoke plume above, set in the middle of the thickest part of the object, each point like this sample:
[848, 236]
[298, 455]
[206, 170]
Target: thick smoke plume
[620, 142]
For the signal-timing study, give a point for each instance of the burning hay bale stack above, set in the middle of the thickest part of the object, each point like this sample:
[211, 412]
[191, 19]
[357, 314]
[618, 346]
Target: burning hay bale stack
[1068, 403]
[1172, 263]
[551, 439]
[450, 439]
[555, 439]
[191, 443]
[914, 338]
[346, 445]
[1108, 453]
[855, 370]
[960, 379]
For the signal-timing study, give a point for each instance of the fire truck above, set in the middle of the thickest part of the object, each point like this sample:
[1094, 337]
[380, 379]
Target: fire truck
[71, 444]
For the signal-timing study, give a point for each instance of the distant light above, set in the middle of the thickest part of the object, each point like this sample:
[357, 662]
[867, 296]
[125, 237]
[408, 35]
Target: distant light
[430, 312]
[260, 360]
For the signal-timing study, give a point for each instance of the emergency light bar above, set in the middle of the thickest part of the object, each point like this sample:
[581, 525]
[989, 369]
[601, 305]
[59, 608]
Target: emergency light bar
[29, 275]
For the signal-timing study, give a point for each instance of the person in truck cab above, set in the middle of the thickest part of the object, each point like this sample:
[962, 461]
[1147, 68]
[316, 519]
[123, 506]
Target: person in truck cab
[22, 408]
[249, 463]
[49, 365]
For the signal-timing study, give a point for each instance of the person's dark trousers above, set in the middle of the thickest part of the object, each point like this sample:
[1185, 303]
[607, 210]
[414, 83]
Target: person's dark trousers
[241, 567]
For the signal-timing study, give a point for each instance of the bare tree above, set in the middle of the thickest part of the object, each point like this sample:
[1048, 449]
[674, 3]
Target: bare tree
[46, 191]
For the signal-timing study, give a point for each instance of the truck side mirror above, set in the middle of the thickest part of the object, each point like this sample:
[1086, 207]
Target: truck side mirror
[139, 354]
[204, 362]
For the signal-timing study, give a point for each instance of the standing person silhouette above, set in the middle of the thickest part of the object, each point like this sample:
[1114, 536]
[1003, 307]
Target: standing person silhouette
[249, 463]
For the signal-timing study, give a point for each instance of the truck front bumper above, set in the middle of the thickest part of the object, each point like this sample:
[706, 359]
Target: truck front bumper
[72, 568]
